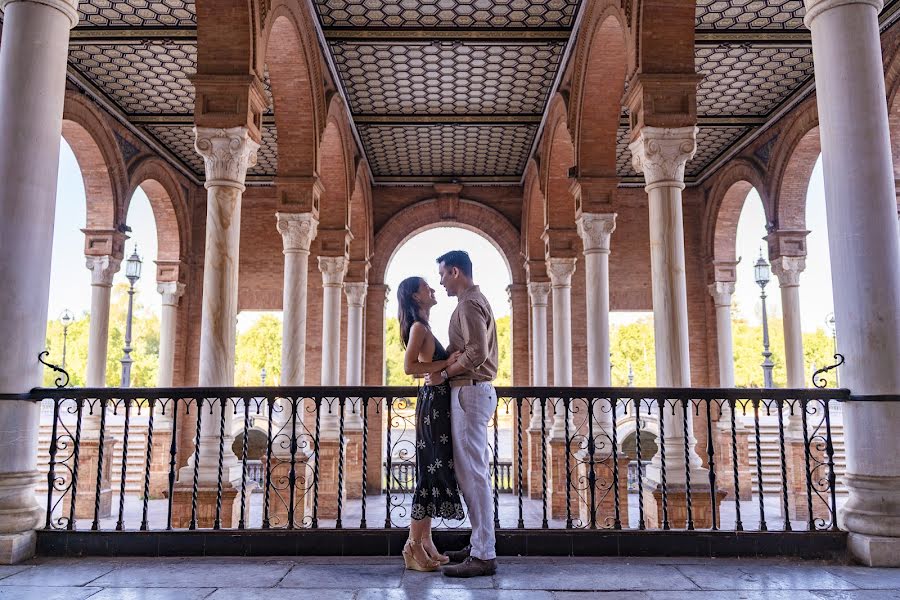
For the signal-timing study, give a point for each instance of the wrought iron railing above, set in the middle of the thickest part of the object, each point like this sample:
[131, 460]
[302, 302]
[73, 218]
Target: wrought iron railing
[345, 456]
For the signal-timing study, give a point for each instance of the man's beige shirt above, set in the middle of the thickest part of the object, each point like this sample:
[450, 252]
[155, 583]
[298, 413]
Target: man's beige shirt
[473, 331]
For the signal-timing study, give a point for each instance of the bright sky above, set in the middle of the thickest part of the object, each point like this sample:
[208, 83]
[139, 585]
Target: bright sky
[70, 280]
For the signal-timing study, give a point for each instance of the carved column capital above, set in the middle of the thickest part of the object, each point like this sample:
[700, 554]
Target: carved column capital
[561, 271]
[660, 153]
[356, 293]
[788, 269]
[227, 154]
[333, 269]
[170, 291]
[66, 7]
[539, 291]
[595, 230]
[814, 8]
[721, 291]
[103, 269]
[297, 230]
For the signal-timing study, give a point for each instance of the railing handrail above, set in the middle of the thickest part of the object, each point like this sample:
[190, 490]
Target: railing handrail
[667, 393]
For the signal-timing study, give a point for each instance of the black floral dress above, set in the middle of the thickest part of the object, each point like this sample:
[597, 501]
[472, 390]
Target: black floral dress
[437, 494]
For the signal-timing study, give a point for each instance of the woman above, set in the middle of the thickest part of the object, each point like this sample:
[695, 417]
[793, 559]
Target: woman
[436, 495]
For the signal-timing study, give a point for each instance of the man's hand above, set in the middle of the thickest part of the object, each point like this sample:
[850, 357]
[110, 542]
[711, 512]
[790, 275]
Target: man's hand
[433, 378]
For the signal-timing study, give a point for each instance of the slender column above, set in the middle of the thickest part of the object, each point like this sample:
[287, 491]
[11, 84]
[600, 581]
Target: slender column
[721, 291]
[171, 292]
[297, 230]
[595, 230]
[32, 87]
[661, 155]
[788, 269]
[103, 269]
[356, 299]
[227, 154]
[333, 269]
[539, 292]
[561, 271]
[865, 261]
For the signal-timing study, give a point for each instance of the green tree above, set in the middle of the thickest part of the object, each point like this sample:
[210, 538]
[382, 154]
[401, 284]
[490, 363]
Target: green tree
[393, 355]
[258, 347]
[632, 344]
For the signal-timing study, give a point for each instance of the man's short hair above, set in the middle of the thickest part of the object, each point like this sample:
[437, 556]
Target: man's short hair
[459, 259]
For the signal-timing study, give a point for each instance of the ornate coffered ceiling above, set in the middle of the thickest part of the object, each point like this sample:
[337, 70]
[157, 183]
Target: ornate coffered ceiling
[443, 89]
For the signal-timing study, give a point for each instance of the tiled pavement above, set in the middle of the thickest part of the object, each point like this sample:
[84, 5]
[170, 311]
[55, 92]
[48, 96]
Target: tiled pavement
[384, 578]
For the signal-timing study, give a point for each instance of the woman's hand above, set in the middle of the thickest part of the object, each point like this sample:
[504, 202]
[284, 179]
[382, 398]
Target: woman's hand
[453, 358]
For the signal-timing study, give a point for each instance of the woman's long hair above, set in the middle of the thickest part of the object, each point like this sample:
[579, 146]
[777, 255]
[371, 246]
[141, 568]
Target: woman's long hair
[408, 308]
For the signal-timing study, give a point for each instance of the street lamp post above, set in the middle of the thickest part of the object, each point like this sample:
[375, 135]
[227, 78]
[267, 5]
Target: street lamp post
[133, 273]
[262, 376]
[66, 318]
[761, 271]
[829, 321]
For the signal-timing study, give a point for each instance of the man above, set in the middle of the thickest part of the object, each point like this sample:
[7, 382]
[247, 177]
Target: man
[472, 404]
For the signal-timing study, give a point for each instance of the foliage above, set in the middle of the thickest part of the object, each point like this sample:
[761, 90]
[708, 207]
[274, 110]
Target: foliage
[259, 347]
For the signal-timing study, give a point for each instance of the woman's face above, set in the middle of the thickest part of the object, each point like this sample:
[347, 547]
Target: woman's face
[424, 296]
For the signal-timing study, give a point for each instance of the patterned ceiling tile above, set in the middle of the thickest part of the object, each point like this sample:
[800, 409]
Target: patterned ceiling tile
[180, 140]
[150, 78]
[447, 78]
[749, 80]
[447, 150]
[711, 141]
[750, 14]
[447, 13]
[134, 13]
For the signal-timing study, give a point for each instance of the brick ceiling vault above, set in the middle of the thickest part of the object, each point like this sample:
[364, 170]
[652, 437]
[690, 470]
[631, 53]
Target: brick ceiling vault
[445, 89]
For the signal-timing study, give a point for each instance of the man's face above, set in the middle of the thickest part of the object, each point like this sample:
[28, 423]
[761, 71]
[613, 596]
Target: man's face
[449, 278]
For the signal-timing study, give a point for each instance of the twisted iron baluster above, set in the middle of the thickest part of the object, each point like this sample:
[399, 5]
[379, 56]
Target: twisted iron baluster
[315, 515]
[147, 469]
[592, 476]
[759, 477]
[266, 493]
[640, 465]
[173, 451]
[687, 464]
[811, 524]
[365, 458]
[51, 472]
[544, 523]
[566, 402]
[292, 473]
[784, 484]
[829, 452]
[617, 517]
[739, 526]
[389, 401]
[496, 468]
[99, 483]
[80, 408]
[711, 454]
[662, 450]
[120, 523]
[196, 483]
[340, 482]
[217, 524]
[241, 522]
[521, 522]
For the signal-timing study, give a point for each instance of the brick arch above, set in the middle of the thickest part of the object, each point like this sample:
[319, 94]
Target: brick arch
[598, 90]
[793, 160]
[100, 161]
[169, 205]
[532, 214]
[336, 167]
[427, 214]
[559, 204]
[292, 60]
[724, 204]
[361, 215]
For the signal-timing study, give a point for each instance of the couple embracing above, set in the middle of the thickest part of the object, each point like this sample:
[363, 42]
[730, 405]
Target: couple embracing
[452, 414]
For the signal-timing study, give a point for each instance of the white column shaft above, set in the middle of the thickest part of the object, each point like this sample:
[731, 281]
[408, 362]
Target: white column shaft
[356, 301]
[721, 293]
[98, 335]
[32, 88]
[595, 231]
[865, 261]
[297, 233]
[561, 271]
[793, 337]
[170, 292]
[333, 270]
[538, 292]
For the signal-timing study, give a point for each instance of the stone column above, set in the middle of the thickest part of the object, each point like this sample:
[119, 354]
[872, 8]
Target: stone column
[171, 292]
[227, 153]
[333, 269]
[865, 262]
[560, 271]
[353, 422]
[376, 298]
[103, 269]
[32, 88]
[539, 292]
[788, 269]
[661, 154]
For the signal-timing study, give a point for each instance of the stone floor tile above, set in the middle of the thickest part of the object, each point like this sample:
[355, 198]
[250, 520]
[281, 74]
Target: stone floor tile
[60, 573]
[278, 594]
[868, 578]
[436, 580]
[192, 573]
[153, 594]
[450, 594]
[7, 570]
[735, 595]
[30, 592]
[857, 594]
[602, 595]
[750, 577]
[595, 575]
[356, 576]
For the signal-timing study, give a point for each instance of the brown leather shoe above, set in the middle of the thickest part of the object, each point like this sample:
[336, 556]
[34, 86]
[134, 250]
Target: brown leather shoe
[472, 567]
[457, 556]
